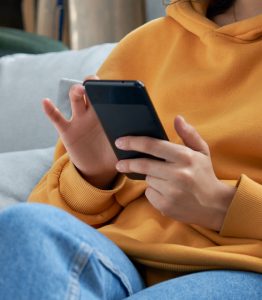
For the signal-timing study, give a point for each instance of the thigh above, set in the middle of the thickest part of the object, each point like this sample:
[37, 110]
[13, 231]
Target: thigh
[215, 285]
[45, 253]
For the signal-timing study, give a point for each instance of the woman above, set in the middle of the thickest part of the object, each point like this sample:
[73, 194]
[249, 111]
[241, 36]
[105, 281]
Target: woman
[199, 210]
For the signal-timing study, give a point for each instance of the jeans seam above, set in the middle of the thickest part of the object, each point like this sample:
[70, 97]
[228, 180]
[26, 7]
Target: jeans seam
[79, 262]
[119, 274]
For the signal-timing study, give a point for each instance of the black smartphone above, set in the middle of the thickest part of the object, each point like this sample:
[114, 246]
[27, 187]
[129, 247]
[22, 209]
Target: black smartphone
[124, 108]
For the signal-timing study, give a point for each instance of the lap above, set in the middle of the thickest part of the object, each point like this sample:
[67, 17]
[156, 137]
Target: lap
[43, 246]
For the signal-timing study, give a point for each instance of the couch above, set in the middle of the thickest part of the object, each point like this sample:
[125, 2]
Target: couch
[27, 139]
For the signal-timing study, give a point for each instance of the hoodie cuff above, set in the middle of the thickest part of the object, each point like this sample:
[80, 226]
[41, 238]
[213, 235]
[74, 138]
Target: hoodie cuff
[83, 197]
[244, 216]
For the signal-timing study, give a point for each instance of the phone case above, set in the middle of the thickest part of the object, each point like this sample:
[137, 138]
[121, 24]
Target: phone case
[124, 108]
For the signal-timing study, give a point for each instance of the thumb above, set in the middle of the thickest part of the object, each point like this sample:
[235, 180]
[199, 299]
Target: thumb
[190, 137]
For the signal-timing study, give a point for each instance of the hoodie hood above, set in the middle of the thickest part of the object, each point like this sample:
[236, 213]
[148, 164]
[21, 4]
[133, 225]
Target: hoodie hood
[191, 15]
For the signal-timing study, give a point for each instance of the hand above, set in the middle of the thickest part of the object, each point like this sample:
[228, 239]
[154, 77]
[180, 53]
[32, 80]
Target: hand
[84, 138]
[184, 185]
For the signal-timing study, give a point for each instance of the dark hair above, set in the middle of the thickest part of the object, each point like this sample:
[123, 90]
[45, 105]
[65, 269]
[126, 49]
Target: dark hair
[217, 7]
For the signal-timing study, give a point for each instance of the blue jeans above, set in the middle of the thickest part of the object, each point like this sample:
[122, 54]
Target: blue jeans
[47, 254]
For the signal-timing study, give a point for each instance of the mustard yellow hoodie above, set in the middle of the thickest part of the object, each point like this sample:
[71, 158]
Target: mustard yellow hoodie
[213, 77]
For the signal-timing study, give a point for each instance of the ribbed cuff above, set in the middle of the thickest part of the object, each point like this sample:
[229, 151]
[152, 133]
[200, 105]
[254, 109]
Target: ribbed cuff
[244, 216]
[83, 197]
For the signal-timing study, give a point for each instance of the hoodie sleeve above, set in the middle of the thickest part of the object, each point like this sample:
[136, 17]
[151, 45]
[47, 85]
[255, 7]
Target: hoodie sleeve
[64, 188]
[244, 216]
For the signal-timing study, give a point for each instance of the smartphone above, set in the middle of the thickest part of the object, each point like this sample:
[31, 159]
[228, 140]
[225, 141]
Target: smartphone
[124, 108]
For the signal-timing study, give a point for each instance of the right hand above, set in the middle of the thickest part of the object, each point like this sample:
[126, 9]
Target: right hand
[84, 138]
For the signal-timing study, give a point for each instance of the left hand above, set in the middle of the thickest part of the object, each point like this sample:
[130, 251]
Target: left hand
[184, 185]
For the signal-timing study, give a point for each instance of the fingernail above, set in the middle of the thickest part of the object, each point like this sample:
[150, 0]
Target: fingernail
[120, 167]
[183, 119]
[184, 124]
[120, 143]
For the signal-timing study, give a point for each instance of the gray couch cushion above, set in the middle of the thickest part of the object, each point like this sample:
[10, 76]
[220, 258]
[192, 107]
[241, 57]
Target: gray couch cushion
[63, 101]
[20, 172]
[25, 80]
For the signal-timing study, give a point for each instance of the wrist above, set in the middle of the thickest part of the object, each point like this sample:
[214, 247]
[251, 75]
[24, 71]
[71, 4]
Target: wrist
[225, 196]
[103, 181]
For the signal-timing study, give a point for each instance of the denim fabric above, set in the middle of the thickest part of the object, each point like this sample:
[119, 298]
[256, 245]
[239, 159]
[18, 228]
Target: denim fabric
[46, 253]
[209, 285]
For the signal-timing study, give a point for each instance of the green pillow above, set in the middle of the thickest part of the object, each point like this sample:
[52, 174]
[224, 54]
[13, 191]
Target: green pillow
[18, 41]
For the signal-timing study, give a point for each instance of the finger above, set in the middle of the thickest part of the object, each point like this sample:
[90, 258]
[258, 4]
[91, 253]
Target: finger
[89, 77]
[152, 167]
[156, 199]
[78, 104]
[169, 190]
[190, 136]
[158, 184]
[55, 115]
[158, 148]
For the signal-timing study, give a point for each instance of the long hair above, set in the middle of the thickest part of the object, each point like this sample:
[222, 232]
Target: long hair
[217, 7]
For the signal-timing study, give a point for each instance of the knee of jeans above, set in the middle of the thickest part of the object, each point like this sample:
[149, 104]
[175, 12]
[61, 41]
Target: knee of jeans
[34, 219]
[25, 217]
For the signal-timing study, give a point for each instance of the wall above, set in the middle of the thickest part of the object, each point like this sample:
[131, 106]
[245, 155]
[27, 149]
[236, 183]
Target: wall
[154, 9]
[91, 22]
